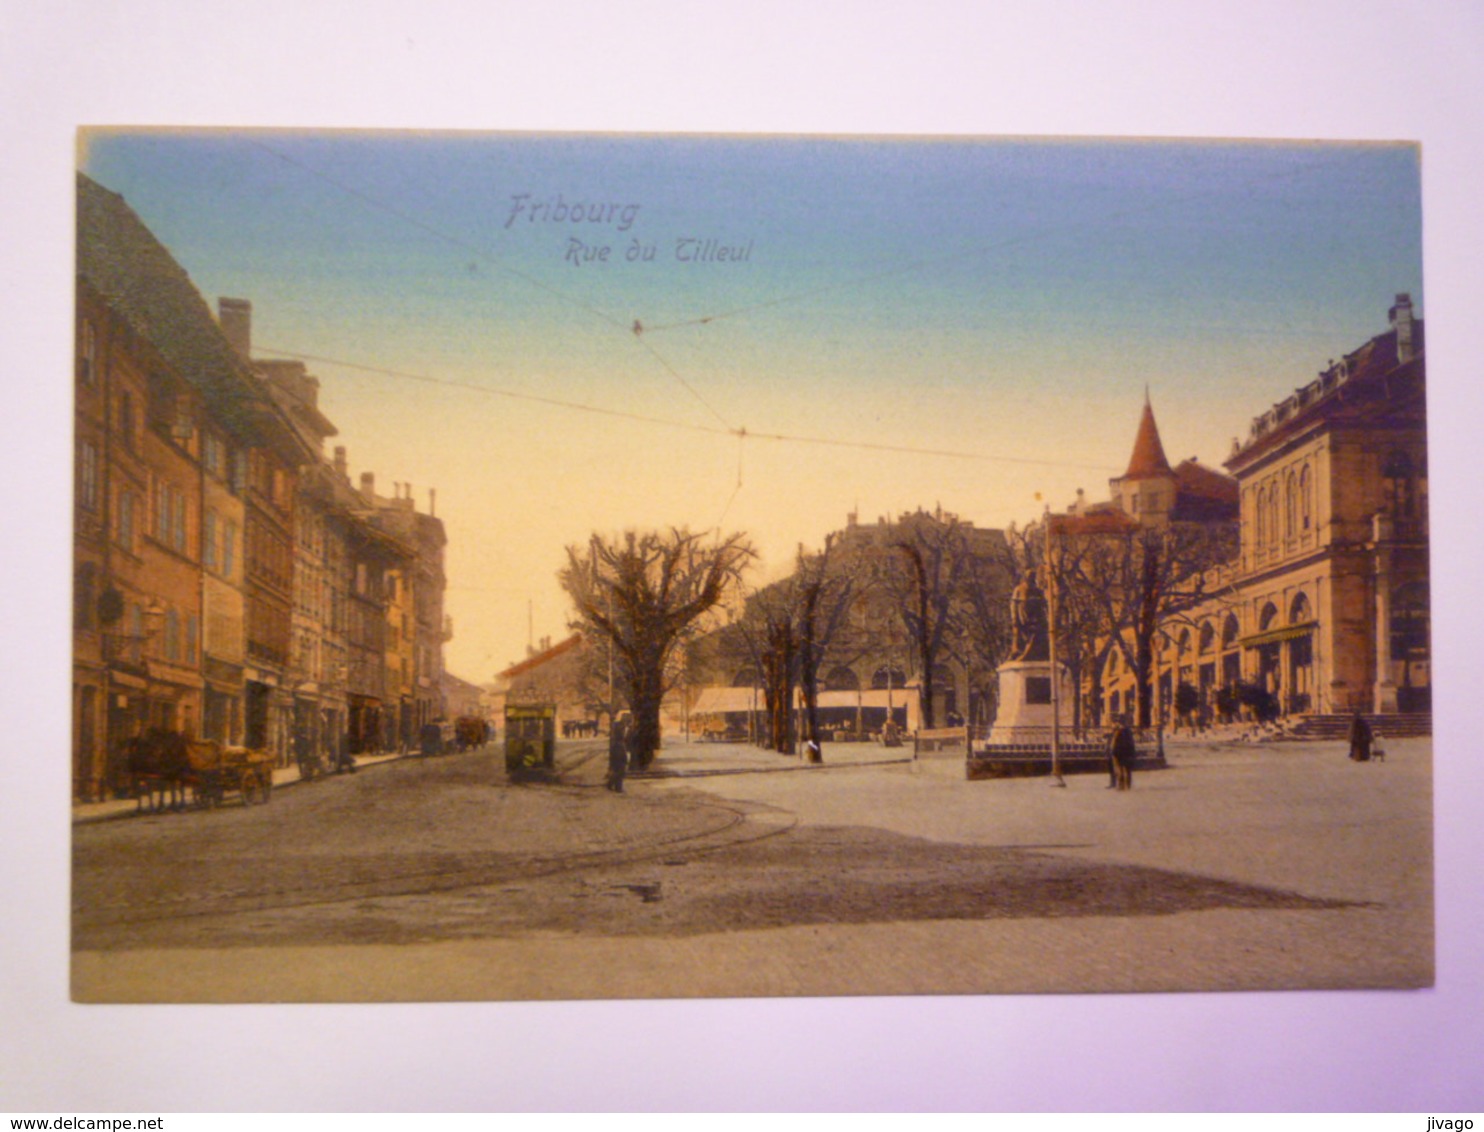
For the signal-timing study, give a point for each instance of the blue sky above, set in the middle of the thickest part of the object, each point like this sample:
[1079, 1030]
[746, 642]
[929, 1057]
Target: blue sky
[1005, 299]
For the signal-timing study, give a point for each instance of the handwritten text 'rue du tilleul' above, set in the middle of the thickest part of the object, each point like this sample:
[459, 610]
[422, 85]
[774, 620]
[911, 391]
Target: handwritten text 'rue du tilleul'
[583, 250]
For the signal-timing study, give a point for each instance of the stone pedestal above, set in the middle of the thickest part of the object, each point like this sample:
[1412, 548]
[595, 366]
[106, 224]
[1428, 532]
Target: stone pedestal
[1024, 714]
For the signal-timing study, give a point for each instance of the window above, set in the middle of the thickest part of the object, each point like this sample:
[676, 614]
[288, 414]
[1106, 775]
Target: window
[1229, 631]
[125, 420]
[1401, 490]
[162, 512]
[190, 639]
[1290, 506]
[178, 533]
[87, 475]
[208, 539]
[84, 601]
[1267, 618]
[229, 548]
[172, 635]
[1306, 499]
[125, 520]
[1261, 517]
[1300, 611]
[237, 470]
[1411, 621]
[214, 455]
[87, 355]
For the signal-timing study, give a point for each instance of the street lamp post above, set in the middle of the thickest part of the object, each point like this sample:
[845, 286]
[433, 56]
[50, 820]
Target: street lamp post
[1056, 778]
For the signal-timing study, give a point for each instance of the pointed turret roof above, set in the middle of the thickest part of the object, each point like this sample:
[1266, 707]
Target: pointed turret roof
[1148, 459]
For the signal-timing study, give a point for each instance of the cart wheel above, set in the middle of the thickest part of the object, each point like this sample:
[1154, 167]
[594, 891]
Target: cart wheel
[251, 787]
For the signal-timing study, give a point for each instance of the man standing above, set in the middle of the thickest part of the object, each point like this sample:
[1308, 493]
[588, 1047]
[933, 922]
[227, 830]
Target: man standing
[618, 752]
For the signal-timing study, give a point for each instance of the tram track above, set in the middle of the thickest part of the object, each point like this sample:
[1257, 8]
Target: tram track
[723, 826]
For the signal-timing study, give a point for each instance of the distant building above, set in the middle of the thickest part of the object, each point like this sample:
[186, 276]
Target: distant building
[461, 699]
[870, 670]
[417, 627]
[552, 674]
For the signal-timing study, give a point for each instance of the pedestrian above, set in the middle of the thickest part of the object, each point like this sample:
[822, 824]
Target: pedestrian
[812, 752]
[1360, 738]
[618, 752]
[1122, 751]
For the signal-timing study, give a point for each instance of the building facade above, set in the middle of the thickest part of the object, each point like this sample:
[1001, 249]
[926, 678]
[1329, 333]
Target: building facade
[228, 581]
[1324, 608]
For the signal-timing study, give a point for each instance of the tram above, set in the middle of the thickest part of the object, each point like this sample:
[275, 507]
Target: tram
[530, 738]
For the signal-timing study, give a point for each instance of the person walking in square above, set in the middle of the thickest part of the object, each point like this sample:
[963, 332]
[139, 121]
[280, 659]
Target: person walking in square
[1122, 751]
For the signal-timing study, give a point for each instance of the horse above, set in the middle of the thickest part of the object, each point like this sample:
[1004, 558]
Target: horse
[158, 760]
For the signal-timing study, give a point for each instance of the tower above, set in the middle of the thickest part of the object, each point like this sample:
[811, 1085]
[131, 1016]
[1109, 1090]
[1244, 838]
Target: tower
[1146, 491]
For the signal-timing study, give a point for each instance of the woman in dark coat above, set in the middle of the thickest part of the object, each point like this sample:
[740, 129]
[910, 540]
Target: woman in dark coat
[1360, 739]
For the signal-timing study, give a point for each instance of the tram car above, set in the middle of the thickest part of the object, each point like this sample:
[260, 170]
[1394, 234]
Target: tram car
[530, 738]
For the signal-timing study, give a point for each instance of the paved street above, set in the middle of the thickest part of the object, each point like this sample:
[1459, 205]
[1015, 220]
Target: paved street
[745, 873]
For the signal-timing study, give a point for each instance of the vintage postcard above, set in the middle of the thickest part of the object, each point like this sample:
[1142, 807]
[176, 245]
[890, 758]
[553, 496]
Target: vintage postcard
[546, 566]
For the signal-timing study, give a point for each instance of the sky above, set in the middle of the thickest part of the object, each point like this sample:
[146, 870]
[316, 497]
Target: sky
[971, 323]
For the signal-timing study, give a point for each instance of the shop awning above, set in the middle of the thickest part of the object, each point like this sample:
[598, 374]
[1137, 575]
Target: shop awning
[1287, 633]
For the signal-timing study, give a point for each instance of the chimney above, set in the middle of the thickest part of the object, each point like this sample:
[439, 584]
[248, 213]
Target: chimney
[1401, 322]
[235, 318]
[432, 501]
[368, 484]
[340, 463]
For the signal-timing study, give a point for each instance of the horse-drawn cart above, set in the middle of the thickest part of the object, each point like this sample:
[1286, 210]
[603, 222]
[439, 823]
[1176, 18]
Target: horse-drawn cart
[218, 770]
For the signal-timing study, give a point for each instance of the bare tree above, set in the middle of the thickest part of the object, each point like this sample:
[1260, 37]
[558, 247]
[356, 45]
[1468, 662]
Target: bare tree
[641, 593]
[1131, 580]
[826, 588]
[926, 580]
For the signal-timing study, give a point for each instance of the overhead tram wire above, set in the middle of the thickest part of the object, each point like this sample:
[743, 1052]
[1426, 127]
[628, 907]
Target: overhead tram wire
[494, 391]
[743, 434]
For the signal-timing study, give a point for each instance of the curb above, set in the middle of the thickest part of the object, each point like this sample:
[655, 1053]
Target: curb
[124, 812]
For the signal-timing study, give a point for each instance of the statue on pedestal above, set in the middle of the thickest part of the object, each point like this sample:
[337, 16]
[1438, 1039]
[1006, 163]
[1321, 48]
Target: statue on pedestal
[1028, 621]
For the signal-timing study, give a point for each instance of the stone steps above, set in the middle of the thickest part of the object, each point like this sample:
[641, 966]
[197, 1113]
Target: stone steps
[1396, 726]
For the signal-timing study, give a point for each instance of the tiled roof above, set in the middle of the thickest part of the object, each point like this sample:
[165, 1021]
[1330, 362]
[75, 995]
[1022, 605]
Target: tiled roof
[542, 657]
[1202, 493]
[1148, 458]
[137, 277]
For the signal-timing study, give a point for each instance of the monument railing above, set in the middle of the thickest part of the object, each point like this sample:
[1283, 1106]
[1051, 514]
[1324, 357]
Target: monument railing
[1068, 738]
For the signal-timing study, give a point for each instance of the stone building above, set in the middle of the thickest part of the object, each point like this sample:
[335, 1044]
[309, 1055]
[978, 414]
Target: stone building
[417, 626]
[316, 670]
[270, 500]
[167, 419]
[228, 581]
[552, 674]
[1324, 608]
[1331, 591]
[871, 669]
